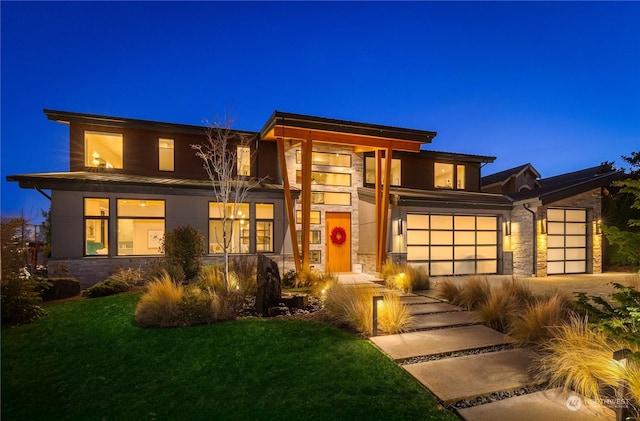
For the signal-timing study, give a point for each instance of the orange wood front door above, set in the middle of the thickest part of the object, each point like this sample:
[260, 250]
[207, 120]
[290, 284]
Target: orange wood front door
[338, 255]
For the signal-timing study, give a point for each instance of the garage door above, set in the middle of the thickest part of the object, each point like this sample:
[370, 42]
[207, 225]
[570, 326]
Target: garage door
[566, 241]
[453, 244]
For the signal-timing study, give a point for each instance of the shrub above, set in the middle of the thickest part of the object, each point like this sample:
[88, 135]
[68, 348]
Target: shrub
[20, 299]
[130, 276]
[212, 277]
[534, 324]
[418, 279]
[289, 279]
[450, 291]
[518, 289]
[160, 304]
[245, 270]
[393, 316]
[388, 272]
[61, 288]
[404, 277]
[107, 287]
[580, 358]
[499, 308]
[162, 267]
[474, 292]
[184, 246]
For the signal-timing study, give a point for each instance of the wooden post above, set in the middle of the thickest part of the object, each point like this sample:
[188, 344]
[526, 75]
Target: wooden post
[307, 148]
[289, 205]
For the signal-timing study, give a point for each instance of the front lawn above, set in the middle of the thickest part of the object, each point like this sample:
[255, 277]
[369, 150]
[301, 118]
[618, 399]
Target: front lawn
[86, 360]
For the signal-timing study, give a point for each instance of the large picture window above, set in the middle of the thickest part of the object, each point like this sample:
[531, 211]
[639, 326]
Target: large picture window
[96, 226]
[327, 178]
[327, 158]
[140, 227]
[238, 228]
[102, 150]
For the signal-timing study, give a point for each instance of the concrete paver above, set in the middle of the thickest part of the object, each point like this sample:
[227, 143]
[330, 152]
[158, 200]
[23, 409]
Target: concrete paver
[417, 299]
[413, 344]
[433, 308]
[431, 321]
[546, 405]
[454, 379]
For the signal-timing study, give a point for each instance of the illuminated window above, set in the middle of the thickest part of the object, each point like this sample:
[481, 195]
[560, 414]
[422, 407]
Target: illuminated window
[140, 227]
[102, 150]
[238, 229]
[315, 257]
[326, 178]
[449, 176]
[314, 237]
[96, 227]
[264, 227]
[331, 198]
[327, 158]
[314, 217]
[396, 170]
[166, 154]
[244, 161]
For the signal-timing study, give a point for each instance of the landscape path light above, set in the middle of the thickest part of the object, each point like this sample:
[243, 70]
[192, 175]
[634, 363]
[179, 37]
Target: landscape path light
[376, 300]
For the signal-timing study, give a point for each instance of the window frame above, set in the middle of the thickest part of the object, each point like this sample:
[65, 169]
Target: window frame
[173, 154]
[104, 228]
[264, 220]
[91, 157]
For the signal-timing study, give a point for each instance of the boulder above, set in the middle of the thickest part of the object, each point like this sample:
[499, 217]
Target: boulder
[269, 292]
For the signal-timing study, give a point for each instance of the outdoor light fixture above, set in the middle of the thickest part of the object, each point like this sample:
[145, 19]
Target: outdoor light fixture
[507, 228]
[400, 226]
[376, 299]
[621, 409]
[597, 227]
[543, 226]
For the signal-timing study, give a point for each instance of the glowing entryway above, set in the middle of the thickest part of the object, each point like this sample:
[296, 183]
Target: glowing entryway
[338, 241]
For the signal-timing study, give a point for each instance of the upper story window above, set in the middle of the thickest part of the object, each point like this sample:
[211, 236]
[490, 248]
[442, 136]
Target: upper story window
[166, 154]
[396, 170]
[449, 176]
[243, 156]
[102, 150]
[327, 158]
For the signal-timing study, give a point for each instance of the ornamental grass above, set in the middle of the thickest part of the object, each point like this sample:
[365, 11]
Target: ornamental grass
[160, 304]
[534, 324]
[474, 292]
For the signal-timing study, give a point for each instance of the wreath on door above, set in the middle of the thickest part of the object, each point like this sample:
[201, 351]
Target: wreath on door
[338, 235]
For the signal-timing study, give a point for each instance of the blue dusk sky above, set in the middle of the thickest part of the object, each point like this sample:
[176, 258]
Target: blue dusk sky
[553, 84]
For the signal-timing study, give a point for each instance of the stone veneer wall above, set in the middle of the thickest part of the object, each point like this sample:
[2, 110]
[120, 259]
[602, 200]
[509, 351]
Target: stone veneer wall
[521, 241]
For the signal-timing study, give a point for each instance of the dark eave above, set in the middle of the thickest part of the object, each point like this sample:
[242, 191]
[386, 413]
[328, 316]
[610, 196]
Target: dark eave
[456, 157]
[445, 199]
[129, 123]
[301, 121]
[121, 183]
[503, 176]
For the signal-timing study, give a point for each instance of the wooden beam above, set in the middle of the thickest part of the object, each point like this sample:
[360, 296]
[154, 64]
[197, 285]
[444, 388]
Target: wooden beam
[307, 148]
[289, 205]
[348, 139]
[378, 195]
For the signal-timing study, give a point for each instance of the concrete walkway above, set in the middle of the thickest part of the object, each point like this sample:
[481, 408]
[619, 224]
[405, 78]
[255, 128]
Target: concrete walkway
[461, 361]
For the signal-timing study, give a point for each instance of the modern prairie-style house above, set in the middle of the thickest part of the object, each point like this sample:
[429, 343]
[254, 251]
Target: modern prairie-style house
[335, 195]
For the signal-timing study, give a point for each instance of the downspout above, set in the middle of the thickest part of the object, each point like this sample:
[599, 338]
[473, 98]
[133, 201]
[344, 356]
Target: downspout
[535, 239]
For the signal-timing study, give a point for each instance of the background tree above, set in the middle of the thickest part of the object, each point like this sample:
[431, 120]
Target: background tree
[227, 156]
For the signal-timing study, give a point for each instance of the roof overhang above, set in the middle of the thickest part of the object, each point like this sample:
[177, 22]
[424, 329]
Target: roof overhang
[297, 127]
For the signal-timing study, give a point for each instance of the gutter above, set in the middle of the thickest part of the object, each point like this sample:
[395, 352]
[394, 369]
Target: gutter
[535, 238]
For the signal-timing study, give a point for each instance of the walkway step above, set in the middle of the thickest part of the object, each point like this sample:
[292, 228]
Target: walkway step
[432, 342]
[417, 299]
[439, 320]
[546, 405]
[455, 379]
[433, 308]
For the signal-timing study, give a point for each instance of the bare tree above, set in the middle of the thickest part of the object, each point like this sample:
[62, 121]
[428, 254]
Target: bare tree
[227, 156]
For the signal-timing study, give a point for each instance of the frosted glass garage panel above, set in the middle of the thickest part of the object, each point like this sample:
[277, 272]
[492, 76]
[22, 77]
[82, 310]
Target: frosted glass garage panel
[555, 267]
[465, 237]
[576, 215]
[486, 223]
[487, 252]
[417, 237]
[555, 254]
[576, 254]
[464, 268]
[463, 253]
[441, 268]
[465, 222]
[487, 237]
[555, 214]
[576, 241]
[576, 229]
[441, 253]
[441, 222]
[487, 266]
[555, 241]
[555, 228]
[417, 221]
[417, 253]
[576, 267]
[442, 237]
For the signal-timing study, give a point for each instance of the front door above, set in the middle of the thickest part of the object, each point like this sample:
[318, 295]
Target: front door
[338, 241]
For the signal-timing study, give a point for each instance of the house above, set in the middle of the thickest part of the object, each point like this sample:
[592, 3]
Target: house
[361, 194]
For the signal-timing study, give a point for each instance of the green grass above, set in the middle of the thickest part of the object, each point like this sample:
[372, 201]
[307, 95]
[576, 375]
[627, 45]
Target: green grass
[86, 360]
